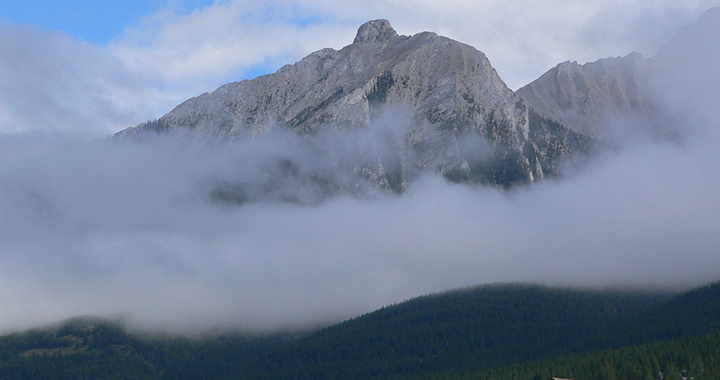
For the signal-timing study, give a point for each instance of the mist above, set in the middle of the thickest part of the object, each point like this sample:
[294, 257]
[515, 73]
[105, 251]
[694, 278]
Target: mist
[136, 229]
[131, 230]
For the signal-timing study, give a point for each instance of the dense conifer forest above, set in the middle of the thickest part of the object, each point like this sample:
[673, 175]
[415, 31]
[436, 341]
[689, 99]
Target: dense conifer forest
[509, 331]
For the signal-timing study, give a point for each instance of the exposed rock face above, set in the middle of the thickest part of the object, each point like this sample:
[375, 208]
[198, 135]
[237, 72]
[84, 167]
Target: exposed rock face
[375, 31]
[459, 118]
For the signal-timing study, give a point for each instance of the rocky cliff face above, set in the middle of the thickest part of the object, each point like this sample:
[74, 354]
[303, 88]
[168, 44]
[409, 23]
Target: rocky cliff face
[439, 104]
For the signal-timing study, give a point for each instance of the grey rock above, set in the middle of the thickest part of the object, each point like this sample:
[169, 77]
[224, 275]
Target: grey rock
[432, 104]
[375, 31]
[587, 97]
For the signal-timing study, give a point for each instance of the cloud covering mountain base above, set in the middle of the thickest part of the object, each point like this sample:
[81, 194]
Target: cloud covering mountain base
[129, 229]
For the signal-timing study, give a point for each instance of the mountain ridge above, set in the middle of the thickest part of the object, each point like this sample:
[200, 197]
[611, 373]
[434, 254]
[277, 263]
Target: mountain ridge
[585, 97]
[450, 112]
[658, 97]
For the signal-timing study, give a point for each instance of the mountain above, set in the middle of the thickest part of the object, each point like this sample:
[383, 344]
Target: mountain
[587, 97]
[385, 109]
[428, 102]
[613, 97]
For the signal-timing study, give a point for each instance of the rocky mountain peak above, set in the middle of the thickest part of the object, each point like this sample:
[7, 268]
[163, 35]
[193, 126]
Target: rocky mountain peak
[375, 31]
[406, 105]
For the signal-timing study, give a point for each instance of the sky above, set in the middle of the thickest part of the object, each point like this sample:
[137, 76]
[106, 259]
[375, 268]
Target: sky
[94, 68]
[93, 21]
[89, 226]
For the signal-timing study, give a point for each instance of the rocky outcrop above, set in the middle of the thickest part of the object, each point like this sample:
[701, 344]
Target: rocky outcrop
[439, 104]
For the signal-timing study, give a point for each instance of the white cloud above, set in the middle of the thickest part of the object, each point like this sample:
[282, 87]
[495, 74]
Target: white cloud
[117, 229]
[101, 228]
[522, 39]
[223, 41]
[52, 82]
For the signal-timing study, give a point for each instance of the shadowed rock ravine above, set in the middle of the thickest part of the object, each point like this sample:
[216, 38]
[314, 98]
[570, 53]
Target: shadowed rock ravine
[419, 103]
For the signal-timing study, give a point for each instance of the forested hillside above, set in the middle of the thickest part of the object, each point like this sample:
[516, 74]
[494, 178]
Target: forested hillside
[690, 314]
[695, 358]
[91, 348]
[468, 329]
[510, 331]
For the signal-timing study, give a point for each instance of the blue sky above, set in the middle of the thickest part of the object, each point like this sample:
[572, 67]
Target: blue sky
[93, 21]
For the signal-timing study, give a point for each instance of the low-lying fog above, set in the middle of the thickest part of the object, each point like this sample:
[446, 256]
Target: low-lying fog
[123, 229]
[128, 229]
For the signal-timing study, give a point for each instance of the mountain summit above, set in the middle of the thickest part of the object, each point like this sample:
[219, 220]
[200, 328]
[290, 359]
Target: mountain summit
[434, 103]
[375, 31]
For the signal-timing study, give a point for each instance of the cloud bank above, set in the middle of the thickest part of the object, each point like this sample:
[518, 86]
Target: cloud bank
[130, 229]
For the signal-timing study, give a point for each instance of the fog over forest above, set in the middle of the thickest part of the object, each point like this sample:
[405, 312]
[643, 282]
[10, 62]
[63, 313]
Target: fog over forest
[130, 229]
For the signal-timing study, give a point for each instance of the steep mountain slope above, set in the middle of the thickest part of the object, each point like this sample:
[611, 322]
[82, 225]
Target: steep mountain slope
[431, 102]
[588, 97]
[611, 98]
